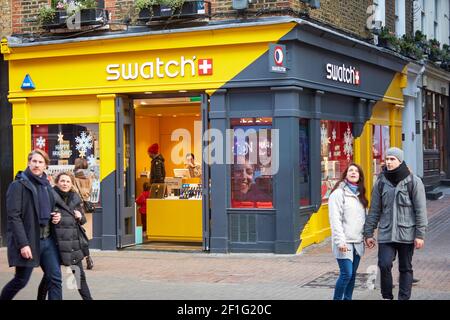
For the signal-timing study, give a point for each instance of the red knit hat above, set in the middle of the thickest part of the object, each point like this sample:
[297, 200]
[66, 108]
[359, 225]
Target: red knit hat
[153, 148]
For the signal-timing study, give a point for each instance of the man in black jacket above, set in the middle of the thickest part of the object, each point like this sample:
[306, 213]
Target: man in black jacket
[158, 170]
[30, 214]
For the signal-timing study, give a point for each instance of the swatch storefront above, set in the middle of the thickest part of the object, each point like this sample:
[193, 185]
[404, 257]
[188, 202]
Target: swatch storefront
[308, 101]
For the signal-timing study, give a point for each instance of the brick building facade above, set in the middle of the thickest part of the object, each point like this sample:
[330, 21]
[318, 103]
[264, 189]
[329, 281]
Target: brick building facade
[19, 16]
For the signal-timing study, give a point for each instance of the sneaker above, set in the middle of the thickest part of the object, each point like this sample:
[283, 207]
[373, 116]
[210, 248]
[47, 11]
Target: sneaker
[415, 280]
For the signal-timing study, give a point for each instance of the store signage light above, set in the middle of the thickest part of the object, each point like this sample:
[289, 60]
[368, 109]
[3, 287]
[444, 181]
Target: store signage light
[160, 68]
[343, 74]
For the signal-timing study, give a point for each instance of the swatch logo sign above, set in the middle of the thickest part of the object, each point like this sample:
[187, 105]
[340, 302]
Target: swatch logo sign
[343, 74]
[160, 68]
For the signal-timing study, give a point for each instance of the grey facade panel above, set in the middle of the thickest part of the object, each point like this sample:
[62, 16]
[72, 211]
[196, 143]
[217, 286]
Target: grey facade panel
[108, 236]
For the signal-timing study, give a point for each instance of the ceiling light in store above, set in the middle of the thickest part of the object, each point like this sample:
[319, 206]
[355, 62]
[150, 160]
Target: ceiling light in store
[182, 91]
[174, 116]
[197, 115]
[148, 92]
[143, 102]
[159, 115]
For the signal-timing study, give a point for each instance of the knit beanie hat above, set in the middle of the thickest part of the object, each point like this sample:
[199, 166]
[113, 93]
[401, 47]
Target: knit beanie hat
[153, 148]
[395, 152]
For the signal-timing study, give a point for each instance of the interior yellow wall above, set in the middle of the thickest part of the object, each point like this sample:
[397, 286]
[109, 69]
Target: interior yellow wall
[150, 129]
[167, 126]
[146, 133]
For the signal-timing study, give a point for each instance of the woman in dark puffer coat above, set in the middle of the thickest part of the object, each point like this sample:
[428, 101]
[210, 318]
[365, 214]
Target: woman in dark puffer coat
[68, 203]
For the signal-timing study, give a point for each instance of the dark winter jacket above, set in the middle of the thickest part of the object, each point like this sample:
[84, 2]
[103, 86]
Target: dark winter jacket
[158, 170]
[22, 208]
[66, 231]
[398, 217]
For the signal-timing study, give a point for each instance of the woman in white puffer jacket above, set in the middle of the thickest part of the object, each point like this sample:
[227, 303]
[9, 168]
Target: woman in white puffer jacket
[347, 207]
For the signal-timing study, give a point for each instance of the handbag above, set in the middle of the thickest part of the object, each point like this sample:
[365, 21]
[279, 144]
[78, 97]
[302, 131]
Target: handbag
[84, 240]
[88, 206]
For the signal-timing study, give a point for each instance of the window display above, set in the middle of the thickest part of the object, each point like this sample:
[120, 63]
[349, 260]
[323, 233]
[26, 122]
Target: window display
[251, 171]
[380, 144]
[64, 143]
[336, 152]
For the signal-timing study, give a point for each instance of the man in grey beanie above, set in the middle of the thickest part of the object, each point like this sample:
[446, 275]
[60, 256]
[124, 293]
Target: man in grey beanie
[398, 210]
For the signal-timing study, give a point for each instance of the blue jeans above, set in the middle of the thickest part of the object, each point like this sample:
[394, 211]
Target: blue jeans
[347, 276]
[50, 264]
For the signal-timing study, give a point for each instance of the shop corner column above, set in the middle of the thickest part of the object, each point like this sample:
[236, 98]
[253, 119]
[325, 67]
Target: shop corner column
[286, 120]
[21, 133]
[107, 138]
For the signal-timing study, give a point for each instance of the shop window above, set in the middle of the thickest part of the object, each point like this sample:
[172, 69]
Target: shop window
[251, 171]
[304, 169]
[380, 144]
[336, 153]
[66, 142]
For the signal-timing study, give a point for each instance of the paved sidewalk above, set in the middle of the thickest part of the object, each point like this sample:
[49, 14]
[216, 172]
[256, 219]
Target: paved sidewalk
[162, 275]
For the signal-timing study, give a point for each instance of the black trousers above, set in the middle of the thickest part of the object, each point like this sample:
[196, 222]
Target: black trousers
[80, 277]
[386, 256]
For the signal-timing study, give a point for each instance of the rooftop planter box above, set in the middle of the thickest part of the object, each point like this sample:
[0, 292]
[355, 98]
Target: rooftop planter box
[179, 9]
[56, 20]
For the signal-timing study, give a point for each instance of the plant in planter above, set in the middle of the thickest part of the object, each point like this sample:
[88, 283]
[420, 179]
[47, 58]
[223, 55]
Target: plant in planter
[388, 39]
[409, 48]
[435, 51]
[145, 8]
[421, 41]
[46, 15]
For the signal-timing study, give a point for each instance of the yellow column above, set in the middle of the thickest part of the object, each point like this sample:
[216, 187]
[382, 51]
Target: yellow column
[21, 133]
[107, 134]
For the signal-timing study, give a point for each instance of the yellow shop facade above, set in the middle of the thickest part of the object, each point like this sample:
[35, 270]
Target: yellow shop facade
[303, 100]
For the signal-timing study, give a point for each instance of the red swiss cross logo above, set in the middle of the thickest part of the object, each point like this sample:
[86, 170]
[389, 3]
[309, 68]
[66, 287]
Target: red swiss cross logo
[356, 77]
[205, 67]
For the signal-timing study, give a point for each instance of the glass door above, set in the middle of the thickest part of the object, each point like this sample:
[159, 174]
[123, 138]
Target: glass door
[125, 168]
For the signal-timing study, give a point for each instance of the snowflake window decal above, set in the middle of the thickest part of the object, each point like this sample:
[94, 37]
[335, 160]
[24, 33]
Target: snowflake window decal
[91, 160]
[324, 138]
[40, 142]
[83, 143]
[348, 143]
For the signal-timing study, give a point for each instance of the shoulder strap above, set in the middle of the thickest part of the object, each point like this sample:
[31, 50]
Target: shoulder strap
[78, 189]
[380, 185]
[410, 186]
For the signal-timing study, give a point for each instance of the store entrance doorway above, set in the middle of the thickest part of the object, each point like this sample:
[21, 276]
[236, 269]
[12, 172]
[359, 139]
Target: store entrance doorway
[172, 212]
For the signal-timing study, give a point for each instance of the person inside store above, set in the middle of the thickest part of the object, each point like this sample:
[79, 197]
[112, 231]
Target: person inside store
[195, 169]
[30, 222]
[67, 233]
[158, 169]
[141, 201]
[347, 207]
[83, 185]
